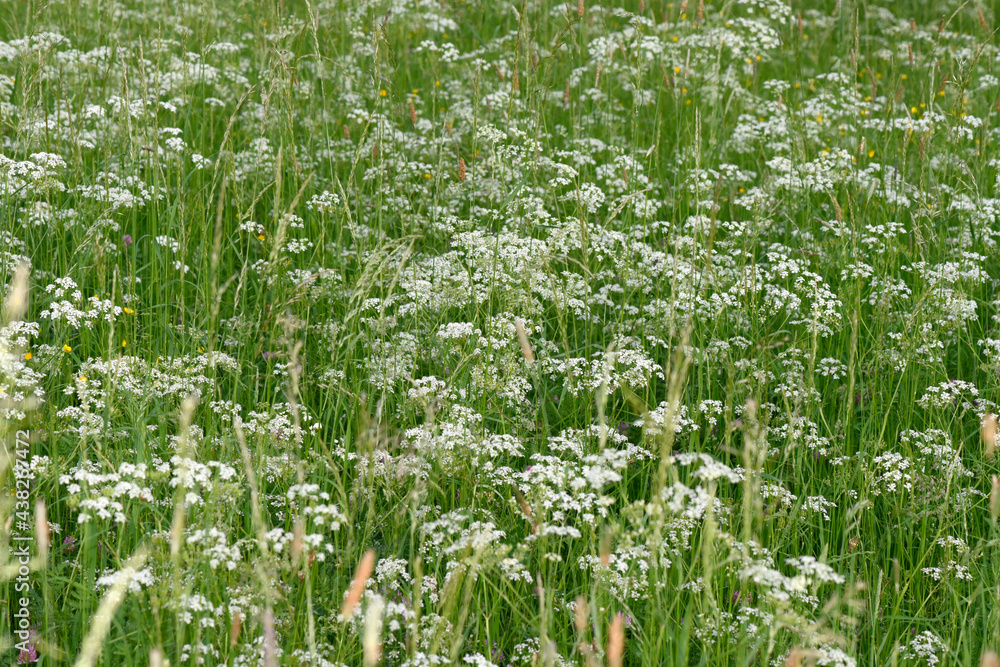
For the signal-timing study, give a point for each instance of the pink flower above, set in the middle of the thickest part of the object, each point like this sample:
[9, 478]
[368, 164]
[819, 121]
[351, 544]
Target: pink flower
[27, 655]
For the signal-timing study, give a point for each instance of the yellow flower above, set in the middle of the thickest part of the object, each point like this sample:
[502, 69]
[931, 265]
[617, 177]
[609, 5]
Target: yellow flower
[83, 379]
[67, 348]
[382, 93]
[27, 356]
[260, 238]
[124, 343]
[128, 311]
[871, 153]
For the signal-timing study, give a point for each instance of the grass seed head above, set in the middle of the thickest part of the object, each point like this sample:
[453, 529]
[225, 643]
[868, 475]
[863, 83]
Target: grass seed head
[989, 434]
[234, 628]
[606, 549]
[371, 642]
[361, 575]
[995, 498]
[522, 338]
[616, 641]
[580, 614]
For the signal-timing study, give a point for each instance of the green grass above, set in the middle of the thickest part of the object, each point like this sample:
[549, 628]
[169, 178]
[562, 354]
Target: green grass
[746, 243]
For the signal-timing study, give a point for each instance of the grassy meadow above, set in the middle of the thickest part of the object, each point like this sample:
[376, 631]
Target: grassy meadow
[459, 332]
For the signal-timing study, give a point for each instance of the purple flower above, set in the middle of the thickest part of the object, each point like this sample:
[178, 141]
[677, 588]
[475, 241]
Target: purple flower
[498, 655]
[69, 544]
[27, 655]
[268, 355]
[127, 240]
